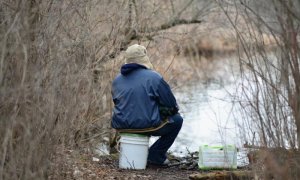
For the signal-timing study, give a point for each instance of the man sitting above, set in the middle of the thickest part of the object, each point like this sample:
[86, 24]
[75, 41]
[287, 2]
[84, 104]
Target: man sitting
[145, 103]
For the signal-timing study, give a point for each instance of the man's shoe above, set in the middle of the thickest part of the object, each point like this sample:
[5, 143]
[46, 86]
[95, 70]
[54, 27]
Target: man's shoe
[166, 162]
[154, 164]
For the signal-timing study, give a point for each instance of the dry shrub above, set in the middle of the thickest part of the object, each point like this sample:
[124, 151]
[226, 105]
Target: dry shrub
[50, 51]
[269, 88]
[275, 163]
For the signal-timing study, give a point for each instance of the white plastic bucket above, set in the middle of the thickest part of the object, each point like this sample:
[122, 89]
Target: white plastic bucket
[133, 151]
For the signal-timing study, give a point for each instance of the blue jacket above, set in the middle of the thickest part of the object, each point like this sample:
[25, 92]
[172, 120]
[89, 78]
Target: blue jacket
[137, 94]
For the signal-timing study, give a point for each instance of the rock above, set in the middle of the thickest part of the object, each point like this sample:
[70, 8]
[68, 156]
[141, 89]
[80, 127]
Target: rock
[77, 174]
[96, 159]
[92, 175]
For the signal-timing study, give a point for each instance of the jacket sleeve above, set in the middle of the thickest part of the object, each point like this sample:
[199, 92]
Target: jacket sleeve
[165, 96]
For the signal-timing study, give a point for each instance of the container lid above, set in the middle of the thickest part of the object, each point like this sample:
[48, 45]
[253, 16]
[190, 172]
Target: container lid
[133, 135]
[228, 147]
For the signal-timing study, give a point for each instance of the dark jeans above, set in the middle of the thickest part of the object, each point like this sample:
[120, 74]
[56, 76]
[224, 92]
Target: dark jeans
[168, 133]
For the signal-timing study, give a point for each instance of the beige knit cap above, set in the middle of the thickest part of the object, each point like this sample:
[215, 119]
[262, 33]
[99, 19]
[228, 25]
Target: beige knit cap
[138, 54]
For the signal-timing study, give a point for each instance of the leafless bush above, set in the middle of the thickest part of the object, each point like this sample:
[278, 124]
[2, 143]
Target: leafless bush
[49, 51]
[267, 33]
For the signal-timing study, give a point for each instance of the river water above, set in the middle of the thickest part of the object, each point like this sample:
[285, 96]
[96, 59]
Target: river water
[209, 117]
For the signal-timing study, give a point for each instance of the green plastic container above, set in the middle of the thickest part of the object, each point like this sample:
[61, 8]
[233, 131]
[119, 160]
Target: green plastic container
[217, 157]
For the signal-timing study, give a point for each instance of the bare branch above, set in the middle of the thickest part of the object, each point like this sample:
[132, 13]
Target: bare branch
[173, 23]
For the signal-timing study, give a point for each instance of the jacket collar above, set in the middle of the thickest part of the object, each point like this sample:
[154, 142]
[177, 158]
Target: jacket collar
[128, 68]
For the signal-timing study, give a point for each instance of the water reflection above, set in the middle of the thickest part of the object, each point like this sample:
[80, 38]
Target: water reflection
[208, 117]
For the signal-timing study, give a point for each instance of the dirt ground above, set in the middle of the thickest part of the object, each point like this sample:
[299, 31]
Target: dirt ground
[111, 166]
[84, 165]
[72, 164]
